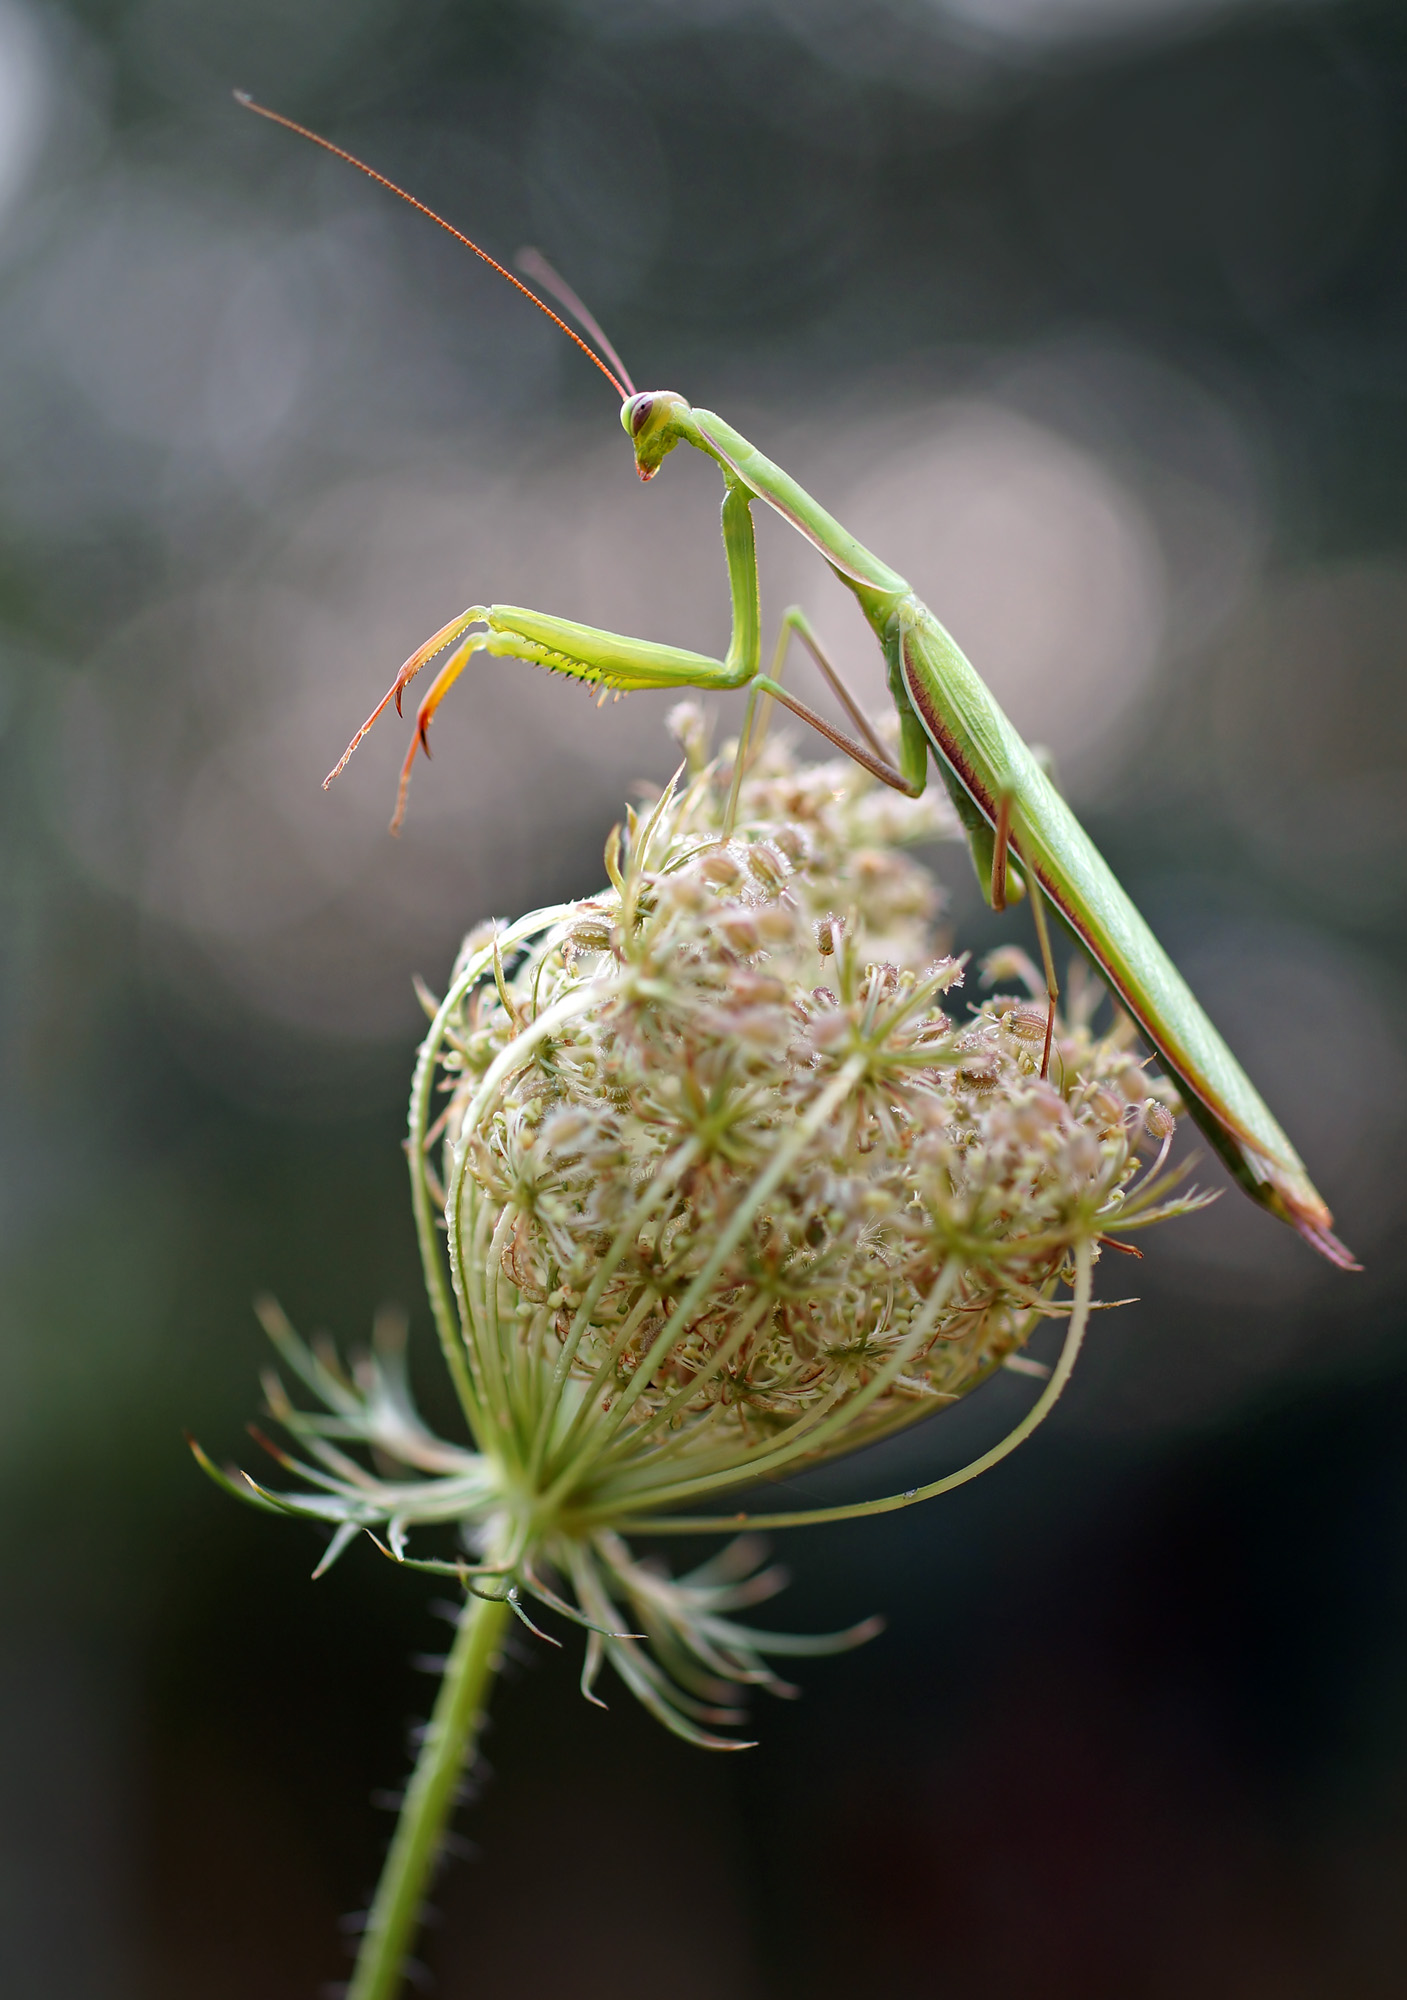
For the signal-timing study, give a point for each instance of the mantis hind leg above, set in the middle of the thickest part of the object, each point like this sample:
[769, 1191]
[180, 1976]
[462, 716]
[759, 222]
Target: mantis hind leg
[1002, 847]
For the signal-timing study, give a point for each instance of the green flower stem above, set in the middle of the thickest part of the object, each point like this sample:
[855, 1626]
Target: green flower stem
[429, 1800]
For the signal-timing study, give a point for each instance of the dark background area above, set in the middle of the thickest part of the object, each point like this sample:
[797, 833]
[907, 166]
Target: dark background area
[1092, 318]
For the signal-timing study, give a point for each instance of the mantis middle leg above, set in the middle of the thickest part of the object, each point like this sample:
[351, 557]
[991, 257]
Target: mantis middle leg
[767, 688]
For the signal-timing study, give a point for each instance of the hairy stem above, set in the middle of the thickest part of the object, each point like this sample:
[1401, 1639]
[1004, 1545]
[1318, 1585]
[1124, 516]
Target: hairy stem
[415, 1847]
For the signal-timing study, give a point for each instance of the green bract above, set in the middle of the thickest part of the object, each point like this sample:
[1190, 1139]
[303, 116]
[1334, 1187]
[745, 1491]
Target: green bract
[732, 1182]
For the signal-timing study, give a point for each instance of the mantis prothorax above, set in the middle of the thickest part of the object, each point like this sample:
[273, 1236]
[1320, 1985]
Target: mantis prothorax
[1006, 803]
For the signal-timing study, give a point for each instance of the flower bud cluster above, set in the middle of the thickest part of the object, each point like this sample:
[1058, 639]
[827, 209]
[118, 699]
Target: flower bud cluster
[736, 1177]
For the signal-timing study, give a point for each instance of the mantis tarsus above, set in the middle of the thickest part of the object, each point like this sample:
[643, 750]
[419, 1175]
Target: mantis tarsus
[1007, 804]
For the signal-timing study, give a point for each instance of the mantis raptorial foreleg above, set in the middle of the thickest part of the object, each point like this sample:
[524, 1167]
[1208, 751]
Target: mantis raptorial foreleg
[444, 680]
[475, 615]
[609, 661]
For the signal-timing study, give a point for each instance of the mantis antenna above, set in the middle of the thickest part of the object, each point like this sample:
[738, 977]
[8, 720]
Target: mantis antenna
[537, 267]
[624, 388]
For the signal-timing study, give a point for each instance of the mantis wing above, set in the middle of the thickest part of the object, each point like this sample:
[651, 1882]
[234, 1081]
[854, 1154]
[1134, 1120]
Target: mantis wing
[988, 758]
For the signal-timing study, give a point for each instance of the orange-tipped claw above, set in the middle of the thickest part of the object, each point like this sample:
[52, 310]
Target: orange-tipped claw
[403, 787]
[444, 680]
[446, 635]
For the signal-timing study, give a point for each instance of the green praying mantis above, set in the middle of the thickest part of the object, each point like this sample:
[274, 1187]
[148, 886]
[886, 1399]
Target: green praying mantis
[1010, 810]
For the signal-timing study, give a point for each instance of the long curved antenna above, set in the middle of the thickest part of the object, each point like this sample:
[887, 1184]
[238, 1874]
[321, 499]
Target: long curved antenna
[316, 138]
[537, 267]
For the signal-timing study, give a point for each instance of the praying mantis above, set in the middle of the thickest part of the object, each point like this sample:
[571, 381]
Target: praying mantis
[1010, 810]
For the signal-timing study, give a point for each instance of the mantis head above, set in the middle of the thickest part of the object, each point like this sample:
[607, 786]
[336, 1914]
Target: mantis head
[654, 420]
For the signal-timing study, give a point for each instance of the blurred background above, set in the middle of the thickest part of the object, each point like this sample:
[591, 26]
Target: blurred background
[1090, 316]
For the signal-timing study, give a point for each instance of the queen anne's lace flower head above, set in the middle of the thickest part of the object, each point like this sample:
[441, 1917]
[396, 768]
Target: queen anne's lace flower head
[736, 1177]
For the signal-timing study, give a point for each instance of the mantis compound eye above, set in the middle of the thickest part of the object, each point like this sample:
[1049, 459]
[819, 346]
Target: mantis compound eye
[641, 410]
